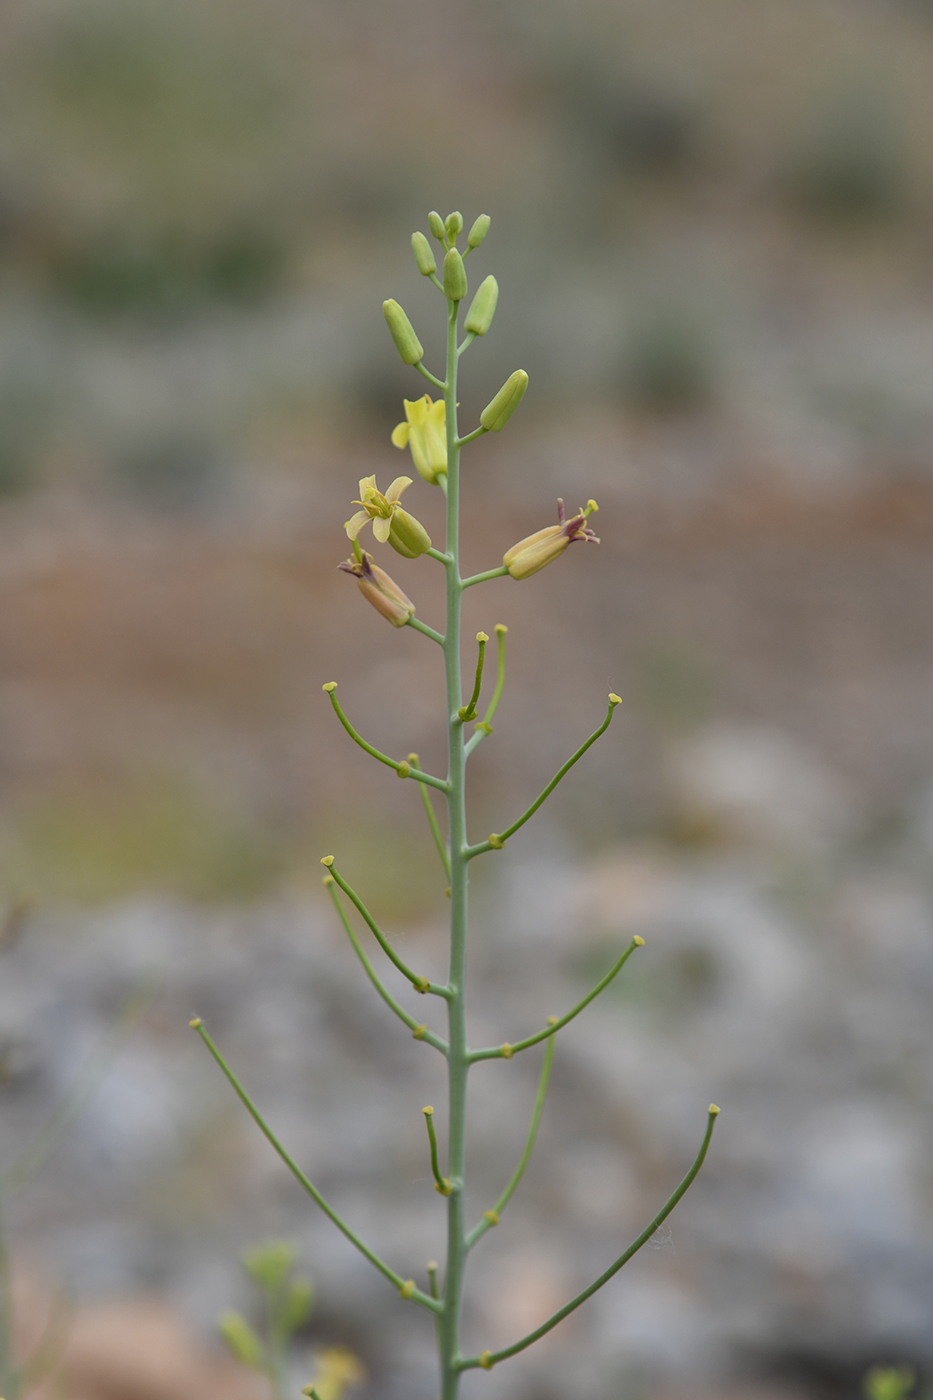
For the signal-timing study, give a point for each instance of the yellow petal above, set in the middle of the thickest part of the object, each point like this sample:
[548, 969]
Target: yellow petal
[400, 435]
[438, 413]
[400, 484]
[367, 484]
[381, 530]
[417, 409]
[355, 524]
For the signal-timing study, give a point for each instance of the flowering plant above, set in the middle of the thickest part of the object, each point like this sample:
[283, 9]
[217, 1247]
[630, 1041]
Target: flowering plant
[431, 432]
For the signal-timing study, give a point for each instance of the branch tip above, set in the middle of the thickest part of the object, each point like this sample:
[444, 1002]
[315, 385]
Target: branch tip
[327, 860]
[501, 628]
[196, 1023]
[329, 686]
[714, 1110]
[614, 699]
[638, 941]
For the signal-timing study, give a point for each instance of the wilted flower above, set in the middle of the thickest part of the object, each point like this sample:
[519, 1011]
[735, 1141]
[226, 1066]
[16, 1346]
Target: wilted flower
[403, 532]
[377, 588]
[425, 435]
[532, 553]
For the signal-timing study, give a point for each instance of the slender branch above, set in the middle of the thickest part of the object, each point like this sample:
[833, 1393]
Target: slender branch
[441, 1183]
[437, 282]
[419, 1031]
[465, 345]
[485, 725]
[488, 1359]
[490, 573]
[491, 1217]
[404, 1286]
[404, 769]
[505, 1052]
[420, 626]
[467, 712]
[420, 984]
[477, 432]
[498, 839]
[432, 819]
[438, 383]
[431, 1269]
[432, 552]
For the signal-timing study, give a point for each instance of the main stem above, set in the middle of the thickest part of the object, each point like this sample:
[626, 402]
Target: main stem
[458, 1061]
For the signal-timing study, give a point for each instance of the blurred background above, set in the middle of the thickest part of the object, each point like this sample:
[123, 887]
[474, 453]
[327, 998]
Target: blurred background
[712, 227]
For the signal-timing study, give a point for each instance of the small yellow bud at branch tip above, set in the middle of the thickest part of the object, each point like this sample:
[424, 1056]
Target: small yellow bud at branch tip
[327, 860]
[196, 1023]
[614, 699]
[482, 637]
[501, 628]
[328, 880]
[329, 686]
[428, 1109]
[714, 1110]
[638, 941]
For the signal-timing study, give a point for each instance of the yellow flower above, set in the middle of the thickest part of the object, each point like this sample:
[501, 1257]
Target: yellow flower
[425, 433]
[337, 1368]
[377, 588]
[539, 549]
[404, 533]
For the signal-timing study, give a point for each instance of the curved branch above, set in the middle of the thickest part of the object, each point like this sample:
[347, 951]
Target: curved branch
[420, 984]
[403, 769]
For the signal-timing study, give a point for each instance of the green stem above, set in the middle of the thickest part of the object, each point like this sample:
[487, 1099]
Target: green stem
[419, 1031]
[403, 769]
[420, 984]
[468, 711]
[420, 626]
[490, 573]
[438, 383]
[441, 1183]
[468, 340]
[497, 1052]
[485, 726]
[498, 840]
[432, 820]
[404, 1286]
[458, 1060]
[432, 552]
[488, 1359]
[491, 1218]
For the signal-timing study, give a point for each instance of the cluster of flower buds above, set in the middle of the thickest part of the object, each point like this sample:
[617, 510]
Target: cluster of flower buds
[424, 433]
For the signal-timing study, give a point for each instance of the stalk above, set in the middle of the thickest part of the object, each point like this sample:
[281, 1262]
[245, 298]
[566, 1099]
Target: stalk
[458, 1057]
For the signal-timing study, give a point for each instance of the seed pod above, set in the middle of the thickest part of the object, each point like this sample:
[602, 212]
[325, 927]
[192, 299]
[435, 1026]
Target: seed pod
[454, 226]
[497, 413]
[479, 231]
[403, 333]
[423, 255]
[480, 314]
[455, 282]
[436, 225]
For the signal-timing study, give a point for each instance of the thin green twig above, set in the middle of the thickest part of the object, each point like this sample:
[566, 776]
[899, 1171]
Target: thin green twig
[404, 1286]
[490, 573]
[491, 1217]
[485, 725]
[403, 769]
[439, 841]
[498, 839]
[505, 1052]
[441, 1183]
[488, 1359]
[438, 383]
[419, 1031]
[468, 711]
[420, 984]
[423, 627]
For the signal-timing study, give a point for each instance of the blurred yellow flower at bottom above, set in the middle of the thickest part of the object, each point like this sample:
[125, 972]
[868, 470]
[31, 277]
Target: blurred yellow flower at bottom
[337, 1368]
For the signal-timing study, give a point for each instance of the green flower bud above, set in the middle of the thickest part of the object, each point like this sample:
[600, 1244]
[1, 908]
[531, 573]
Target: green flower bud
[298, 1305]
[403, 333]
[480, 314]
[455, 282]
[479, 231]
[269, 1263]
[241, 1339]
[423, 255]
[454, 225]
[436, 225]
[497, 413]
[407, 536]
